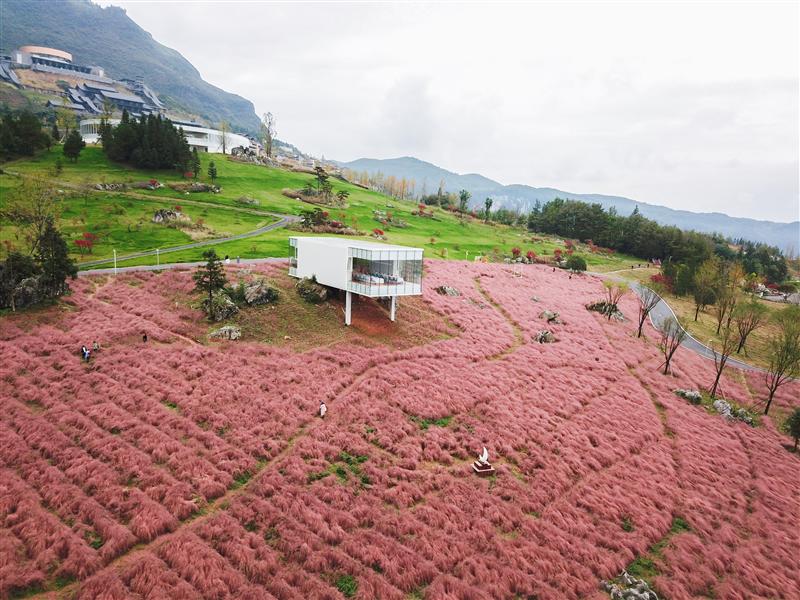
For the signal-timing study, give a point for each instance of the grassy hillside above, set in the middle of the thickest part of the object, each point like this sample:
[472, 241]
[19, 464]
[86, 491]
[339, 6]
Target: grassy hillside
[444, 236]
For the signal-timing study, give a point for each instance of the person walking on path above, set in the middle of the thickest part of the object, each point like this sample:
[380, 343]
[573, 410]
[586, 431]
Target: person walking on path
[144, 337]
[322, 409]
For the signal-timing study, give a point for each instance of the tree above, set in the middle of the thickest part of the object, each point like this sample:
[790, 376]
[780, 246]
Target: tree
[726, 292]
[65, 119]
[55, 133]
[268, 132]
[13, 270]
[793, 426]
[210, 277]
[672, 336]
[195, 164]
[21, 134]
[342, 195]
[784, 351]
[53, 258]
[705, 282]
[615, 290]
[212, 171]
[722, 352]
[747, 318]
[29, 207]
[463, 202]
[648, 297]
[73, 145]
[488, 204]
[224, 131]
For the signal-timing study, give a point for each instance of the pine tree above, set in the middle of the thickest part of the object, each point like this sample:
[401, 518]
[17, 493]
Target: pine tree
[210, 277]
[73, 145]
[212, 171]
[53, 257]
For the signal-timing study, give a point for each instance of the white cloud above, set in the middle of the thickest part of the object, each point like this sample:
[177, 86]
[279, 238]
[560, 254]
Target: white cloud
[690, 105]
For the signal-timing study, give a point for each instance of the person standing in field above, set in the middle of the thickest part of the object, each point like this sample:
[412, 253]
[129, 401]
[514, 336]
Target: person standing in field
[322, 409]
[144, 337]
[95, 347]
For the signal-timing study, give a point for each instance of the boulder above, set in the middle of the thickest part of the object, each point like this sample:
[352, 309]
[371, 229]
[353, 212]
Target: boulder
[311, 291]
[723, 408]
[259, 292]
[227, 332]
[168, 215]
[28, 292]
[545, 337]
[221, 307]
[692, 396]
[446, 290]
[550, 317]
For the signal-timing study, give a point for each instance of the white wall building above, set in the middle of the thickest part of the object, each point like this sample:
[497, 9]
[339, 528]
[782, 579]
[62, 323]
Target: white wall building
[358, 267]
[202, 138]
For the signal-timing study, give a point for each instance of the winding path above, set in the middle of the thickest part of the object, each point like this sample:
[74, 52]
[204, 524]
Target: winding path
[283, 221]
[662, 314]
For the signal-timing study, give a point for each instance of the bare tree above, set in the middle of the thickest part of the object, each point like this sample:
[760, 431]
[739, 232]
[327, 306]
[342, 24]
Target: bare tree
[722, 352]
[648, 298]
[747, 318]
[268, 132]
[727, 292]
[29, 207]
[784, 352]
[224, 134]
[615, 290]
[672, 336]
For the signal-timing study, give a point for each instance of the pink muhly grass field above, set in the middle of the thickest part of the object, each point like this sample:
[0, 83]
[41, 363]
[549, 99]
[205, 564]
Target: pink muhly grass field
[181, 469]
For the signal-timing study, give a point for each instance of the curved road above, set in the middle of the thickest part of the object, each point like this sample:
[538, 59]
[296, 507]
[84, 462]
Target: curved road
[662, 313]
[281, 222]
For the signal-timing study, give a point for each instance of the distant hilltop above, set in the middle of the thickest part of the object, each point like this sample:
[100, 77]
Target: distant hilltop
[523, 197]
[71, 38]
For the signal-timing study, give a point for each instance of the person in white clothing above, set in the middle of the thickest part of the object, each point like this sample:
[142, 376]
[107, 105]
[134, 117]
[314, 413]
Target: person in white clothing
[322, 409]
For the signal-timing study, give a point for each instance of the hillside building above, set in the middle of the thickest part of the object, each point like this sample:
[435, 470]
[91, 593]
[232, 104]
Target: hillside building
[198, 136]
[358, 267]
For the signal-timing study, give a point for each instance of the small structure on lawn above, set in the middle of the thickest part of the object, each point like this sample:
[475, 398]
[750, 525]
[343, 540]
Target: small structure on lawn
[482, 466]
[358, 267]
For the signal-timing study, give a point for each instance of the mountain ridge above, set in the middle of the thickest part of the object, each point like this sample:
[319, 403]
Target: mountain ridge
[518, 196]
[108, 37]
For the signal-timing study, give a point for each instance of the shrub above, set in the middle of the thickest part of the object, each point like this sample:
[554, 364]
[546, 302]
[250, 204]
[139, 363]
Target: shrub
[576, 263]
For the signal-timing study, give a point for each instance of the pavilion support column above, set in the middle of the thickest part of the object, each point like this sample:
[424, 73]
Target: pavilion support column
[348, 304]
[393, 312]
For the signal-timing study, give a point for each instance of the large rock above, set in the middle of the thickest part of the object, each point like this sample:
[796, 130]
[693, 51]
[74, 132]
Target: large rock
[259, 292]
[311, 291]
[693, 396]
[168, 215]
[545, 337]
[29, 292]
[723, 408]
[446, 290]
[221, 307]
[227, 332]
[550, 316]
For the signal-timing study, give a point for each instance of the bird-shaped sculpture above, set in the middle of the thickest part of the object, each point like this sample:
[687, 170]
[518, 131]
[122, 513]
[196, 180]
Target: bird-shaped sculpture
[484, 457]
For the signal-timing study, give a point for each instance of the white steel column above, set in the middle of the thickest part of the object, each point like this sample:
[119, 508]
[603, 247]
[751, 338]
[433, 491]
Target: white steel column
[394, 308]
[347, 307]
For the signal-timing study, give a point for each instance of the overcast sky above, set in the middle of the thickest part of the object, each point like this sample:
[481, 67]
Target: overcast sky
[693, 106]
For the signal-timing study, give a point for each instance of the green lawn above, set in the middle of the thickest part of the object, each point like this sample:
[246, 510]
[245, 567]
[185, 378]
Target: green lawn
[443, 236]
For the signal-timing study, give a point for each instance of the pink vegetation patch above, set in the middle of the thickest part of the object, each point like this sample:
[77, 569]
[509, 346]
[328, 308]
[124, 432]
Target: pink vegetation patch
[173, 469]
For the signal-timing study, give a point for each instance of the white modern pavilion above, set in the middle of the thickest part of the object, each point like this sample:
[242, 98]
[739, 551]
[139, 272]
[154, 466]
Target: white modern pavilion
[358, 267]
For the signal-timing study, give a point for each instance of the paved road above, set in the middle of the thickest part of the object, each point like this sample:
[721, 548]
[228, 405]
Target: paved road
[663, 313]
[283, 221]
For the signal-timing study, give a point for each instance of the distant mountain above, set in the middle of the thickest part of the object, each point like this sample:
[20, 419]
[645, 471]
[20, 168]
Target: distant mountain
[109, 38]
[523, 197]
